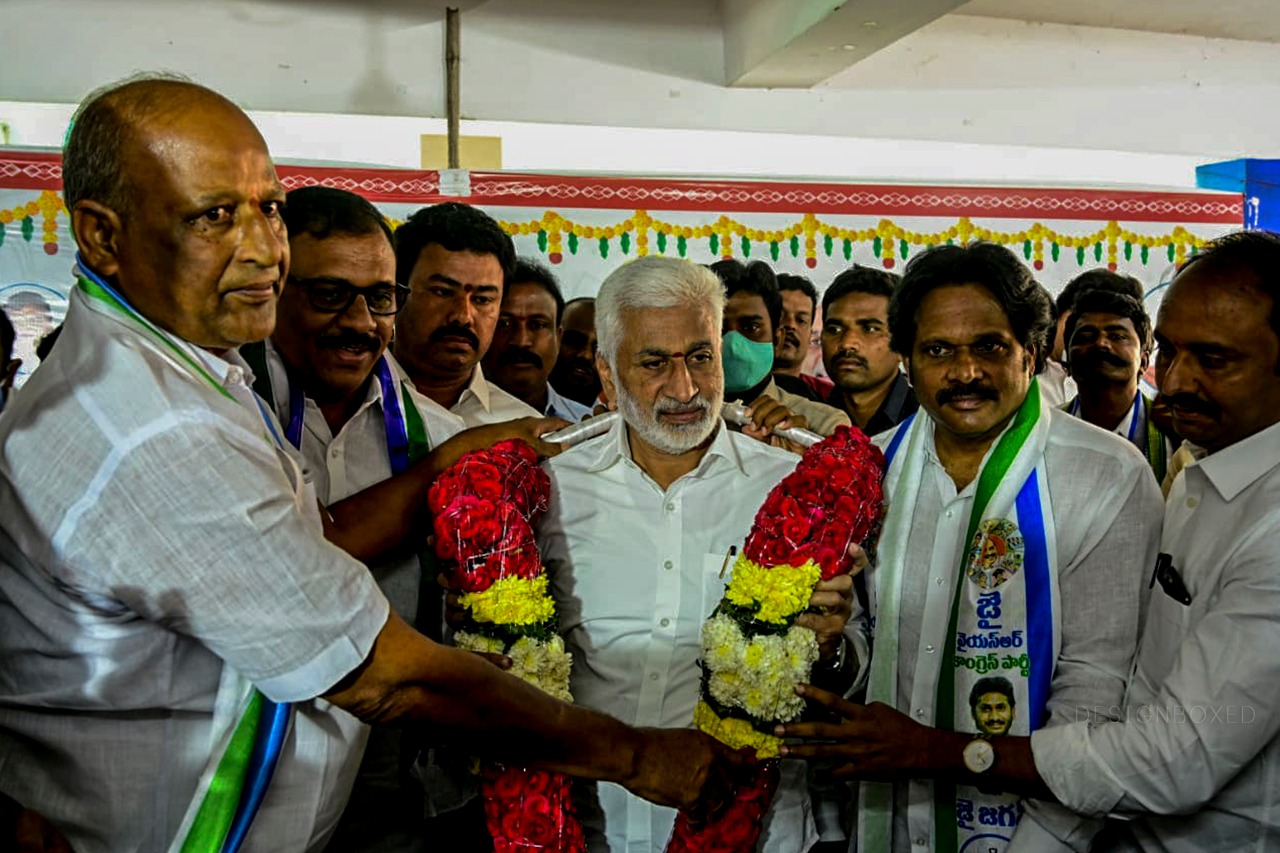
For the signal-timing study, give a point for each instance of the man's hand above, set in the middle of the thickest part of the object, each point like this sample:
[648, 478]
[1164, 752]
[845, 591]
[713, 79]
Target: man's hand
[686, 769]
[528, 430]
[873, 741]
[829, 609]
[859, 561]
[767, 414]
[34, 834]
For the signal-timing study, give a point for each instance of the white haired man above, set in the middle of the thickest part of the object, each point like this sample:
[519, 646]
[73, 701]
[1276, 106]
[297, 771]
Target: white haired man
[641, 520]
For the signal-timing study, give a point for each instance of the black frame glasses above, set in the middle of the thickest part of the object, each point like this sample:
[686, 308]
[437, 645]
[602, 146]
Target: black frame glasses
[344, 295]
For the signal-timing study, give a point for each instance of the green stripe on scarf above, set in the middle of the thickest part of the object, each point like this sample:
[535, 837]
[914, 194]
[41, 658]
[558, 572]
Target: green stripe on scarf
[993, 473]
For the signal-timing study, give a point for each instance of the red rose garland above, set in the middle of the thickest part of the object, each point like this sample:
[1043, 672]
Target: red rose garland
[484, 509]
[753, 652]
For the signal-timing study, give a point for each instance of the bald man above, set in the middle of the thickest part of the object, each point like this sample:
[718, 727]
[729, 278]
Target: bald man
[170, 604]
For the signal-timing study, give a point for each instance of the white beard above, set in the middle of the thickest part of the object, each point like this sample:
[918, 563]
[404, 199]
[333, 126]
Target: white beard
[674, 439]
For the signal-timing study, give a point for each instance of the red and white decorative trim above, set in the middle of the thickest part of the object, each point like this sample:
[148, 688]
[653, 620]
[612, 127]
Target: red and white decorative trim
[43, 170]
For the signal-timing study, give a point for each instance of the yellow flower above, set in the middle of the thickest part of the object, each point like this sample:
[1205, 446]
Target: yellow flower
[512, 601]
[780, 592]
[735, 733]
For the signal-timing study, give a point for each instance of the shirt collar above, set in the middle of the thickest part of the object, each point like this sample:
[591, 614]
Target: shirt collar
[613, 447]
[1238, 466]
[558, 406]
[479, 387]
[227, 369]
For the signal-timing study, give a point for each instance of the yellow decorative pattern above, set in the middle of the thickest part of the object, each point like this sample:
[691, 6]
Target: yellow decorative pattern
[735, 733]
[512, 601]
[49, 205]
[779, 592]
[810, 235]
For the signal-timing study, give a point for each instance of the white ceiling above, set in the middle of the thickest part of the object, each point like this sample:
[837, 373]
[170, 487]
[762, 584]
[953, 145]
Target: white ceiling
[1246, 20]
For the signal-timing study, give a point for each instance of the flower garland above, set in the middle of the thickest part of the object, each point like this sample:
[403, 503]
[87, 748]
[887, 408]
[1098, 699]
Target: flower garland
[484, 509]
[753, 652]
[49, 205]
[889, 241]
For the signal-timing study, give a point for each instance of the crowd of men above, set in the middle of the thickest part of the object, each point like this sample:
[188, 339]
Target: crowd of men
[212, 497]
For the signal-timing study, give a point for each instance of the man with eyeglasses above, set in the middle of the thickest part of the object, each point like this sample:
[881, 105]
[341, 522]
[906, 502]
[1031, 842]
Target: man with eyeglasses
[371, 450]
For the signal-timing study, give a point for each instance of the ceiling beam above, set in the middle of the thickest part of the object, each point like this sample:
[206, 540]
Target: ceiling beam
[797, 44]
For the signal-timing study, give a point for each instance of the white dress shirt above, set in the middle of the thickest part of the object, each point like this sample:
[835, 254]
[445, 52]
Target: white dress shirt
[560, 406]
[1056, 385]
[480, 403]
[1198, 747]
[635, 572]
[1107, 515]
[356, 458]
[151, 542]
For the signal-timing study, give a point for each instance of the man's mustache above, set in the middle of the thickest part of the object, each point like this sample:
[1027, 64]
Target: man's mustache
[970, 389]
[1097, 357]
[851, 359]
[350, 339]
[454, 331]
[789, 336]
[675, 407]
[519, 355]
[1191, 403]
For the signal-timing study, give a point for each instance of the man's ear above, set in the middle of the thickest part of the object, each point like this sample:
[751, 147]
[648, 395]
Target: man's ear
[98, 231]
[606, 380]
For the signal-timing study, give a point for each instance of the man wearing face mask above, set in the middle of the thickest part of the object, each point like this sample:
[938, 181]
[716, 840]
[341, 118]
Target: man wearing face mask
[752, 311]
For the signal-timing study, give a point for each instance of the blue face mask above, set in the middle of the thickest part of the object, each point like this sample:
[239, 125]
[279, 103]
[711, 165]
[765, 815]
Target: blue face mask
[746, 362]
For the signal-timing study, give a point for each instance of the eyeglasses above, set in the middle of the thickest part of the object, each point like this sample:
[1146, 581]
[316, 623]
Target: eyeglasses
[333, 296]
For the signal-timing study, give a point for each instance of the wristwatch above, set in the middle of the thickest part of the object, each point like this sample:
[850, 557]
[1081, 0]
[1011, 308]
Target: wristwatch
[979, 755]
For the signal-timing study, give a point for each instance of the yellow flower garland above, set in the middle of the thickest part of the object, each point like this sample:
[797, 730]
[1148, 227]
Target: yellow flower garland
[735, 733]
[779, 592]
[512, 601]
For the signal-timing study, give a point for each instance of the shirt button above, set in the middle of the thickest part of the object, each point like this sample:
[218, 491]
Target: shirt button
[668, 565]
[921, 842]
[665, 622]
[653, 676]
[929, 649]
[335, 452]
[1191, 503]
[920, 713]
[671, 507]
[938, 581]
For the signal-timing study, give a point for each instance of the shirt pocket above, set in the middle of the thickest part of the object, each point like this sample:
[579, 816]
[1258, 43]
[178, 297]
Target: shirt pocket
[1167, 624]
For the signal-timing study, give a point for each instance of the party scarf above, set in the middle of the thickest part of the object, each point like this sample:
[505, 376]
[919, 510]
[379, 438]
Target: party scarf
[235, 780]
[1003, 616]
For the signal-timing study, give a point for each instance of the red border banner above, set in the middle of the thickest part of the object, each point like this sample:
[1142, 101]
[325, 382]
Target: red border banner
[43, 171]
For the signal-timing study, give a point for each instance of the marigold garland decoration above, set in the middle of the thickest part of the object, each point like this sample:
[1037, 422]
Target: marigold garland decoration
[484, 509]
[753, 652]
[889, 241]
[49, 205]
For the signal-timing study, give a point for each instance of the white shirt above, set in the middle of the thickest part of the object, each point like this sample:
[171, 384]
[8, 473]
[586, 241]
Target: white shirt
[384, 805]
[150, 540]
[635, 572]
[1056, 385]
[1106, 509]
[356, 458]
[482, 402]
[560, 406]
[1198, 748]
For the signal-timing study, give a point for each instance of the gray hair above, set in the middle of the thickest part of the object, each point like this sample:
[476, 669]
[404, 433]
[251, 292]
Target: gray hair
[653, 282]
[93, 154]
